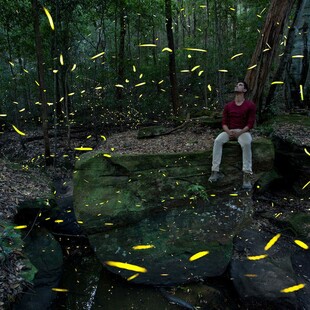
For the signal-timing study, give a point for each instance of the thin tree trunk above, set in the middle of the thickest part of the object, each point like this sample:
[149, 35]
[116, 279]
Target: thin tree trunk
[115, 32]
[205, 87]
[39, 53]
[273, 27]
[172, 66]
[121, 55]
[194, 23]
[219, 54]
[305, 60]
[14, 97]
[24, 83]
[54, 53]
[139, 33]
[183, 24]
[154, 54]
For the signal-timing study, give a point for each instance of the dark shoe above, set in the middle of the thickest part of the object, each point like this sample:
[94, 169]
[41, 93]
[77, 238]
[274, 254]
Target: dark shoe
[215, 176]
[247, 181]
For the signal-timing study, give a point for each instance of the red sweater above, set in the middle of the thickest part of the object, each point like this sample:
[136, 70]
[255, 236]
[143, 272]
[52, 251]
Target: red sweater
[237, 117]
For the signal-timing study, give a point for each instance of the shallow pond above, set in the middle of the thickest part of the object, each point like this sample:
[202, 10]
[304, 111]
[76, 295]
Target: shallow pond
[92, 287]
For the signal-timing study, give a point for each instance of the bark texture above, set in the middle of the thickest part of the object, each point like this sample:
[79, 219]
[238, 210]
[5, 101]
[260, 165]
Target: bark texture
[172, 66]
[42, 95]
[266, 48]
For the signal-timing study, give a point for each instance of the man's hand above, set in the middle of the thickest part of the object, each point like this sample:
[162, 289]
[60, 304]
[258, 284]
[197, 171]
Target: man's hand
[232, 134]
[235, 134]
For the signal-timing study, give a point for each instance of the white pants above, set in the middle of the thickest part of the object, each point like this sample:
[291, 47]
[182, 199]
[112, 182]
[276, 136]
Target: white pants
[244, 140]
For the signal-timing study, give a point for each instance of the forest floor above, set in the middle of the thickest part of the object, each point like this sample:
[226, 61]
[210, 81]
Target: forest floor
[23, 175]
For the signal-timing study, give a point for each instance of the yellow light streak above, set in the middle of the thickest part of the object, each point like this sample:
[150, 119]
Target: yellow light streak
[50, 19]
[61, 59]
[195, 49]
[147, 45]
[252, 67]
[301, 244]
[167, 49]
[257, 257]
[301, 92]
[126, 266]
[293, 288]
[198, 255]
[96, 56]
[18, 131]
[237, 55]
[272, 242]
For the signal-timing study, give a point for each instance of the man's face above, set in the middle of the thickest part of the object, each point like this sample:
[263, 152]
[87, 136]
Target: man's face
[239, 88]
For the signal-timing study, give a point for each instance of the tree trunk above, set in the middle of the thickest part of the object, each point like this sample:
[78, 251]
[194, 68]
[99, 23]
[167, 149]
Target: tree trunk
[219, 55]
[205, 87]
[42, 96]
[55, 55]
[298, 69]
[287, 54]
[273, 27]
[139, 33]
[305, 61]
[14, 96]
[183, 24]
[172, 66]
[121, 54]
[24, 83]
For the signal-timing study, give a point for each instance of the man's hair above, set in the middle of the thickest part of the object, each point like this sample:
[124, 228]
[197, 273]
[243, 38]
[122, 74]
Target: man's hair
[245, 85]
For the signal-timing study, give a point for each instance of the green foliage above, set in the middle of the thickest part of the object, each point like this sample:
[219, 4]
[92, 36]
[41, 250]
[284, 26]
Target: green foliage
[197, 191]
[10, 240]
[266, 129]
[11, 245]
[86, 28]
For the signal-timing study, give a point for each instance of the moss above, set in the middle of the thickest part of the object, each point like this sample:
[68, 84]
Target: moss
[267, 179]
[301, 224]
[293, 119]
[29, 271]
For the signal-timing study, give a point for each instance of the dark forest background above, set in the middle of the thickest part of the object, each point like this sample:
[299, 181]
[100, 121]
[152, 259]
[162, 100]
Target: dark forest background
[126, 63]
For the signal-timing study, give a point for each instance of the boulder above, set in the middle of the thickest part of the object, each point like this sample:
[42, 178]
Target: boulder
[294, 164]
[297, 222]
[165, 201]
[45, 254]
[174, 234]
[261, 281]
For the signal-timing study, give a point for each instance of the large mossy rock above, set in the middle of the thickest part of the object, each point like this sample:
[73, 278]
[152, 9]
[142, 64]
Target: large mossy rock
[175, 234]
[161, 200]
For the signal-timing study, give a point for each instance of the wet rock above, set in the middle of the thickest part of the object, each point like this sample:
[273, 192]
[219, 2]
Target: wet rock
[55, 213]
[165, 201]
[45, 254]
[262, 281]
[124, 189]
[294, 164]
[204, 296]
[301, 266]
[175, 234]
[297, 223]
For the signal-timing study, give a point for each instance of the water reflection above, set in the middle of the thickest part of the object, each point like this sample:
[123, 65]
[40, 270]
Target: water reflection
[92, 287]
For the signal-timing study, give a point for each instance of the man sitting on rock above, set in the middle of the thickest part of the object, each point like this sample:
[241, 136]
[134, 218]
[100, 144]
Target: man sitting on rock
[238, 118]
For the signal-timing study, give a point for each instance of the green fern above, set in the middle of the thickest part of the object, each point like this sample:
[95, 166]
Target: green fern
[198, 191]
